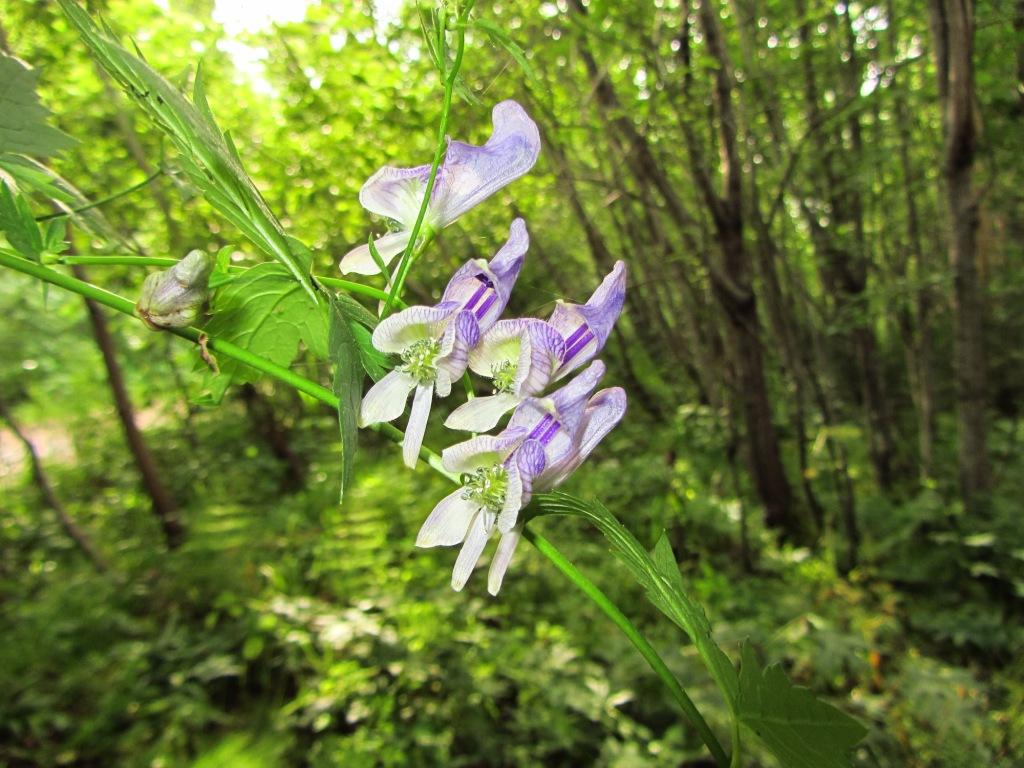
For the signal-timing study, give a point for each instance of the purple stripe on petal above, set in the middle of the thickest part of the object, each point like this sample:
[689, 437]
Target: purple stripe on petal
[550, 434]
[577, 347]
[476, 296]
[541, 426]
[576, 335]
[488, 303]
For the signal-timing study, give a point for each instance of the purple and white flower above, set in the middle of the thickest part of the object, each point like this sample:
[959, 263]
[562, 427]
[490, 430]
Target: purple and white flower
[434, 342]
[524, 356]
[467, 176]
[546, 440]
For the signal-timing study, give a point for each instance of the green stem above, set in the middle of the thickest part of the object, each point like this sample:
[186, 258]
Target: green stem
[412, 251]
[324, 395]
[110, 198]
[737, 747]
[161, 261]
[639, 642]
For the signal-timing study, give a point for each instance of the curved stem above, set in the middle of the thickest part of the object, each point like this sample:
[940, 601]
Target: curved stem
[324, 395]
[163, 261]
[109, 198]
[639, 642]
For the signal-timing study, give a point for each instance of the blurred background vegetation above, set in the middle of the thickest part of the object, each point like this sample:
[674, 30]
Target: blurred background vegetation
[795, 401]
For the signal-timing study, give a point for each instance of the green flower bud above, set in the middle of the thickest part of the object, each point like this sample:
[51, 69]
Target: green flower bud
[172, 299]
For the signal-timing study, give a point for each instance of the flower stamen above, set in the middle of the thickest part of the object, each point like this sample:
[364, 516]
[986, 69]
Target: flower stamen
[419, 360]
[486, 487]
[504, 376]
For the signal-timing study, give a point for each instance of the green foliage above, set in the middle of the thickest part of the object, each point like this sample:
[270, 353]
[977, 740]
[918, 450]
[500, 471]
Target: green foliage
[18, 224]
[659, 576]
[265, 311]
[347, 385]
[800, 730]
[208, 155]
[23, 126]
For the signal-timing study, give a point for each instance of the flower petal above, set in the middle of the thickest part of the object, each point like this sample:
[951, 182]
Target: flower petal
[395, 333]
[417, 425]
[481, 413]
[513, 498]
[448, 523]
[461, 335]
[502, 558]
[471, 174]
[501, 344]
[534, 373]
[603, 412]
[485, 287]
[479, 531]
[586, 327]
[396, 193]
[386, 399]
[359, 260]
[481, 451]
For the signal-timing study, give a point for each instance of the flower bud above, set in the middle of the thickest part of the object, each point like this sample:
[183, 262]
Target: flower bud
[172, 299]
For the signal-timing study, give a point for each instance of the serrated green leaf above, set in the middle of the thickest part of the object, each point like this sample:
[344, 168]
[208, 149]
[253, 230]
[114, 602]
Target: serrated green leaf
[800, 730]
[18, 224]
[659, 576]
[264, 311]
[208, 157]
[23, 126]
[347, 385]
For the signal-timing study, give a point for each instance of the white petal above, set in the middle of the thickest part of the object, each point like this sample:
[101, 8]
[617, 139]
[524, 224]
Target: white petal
[501, 344]
[449, 523]
[401, 329]
[481, 451]
[502, 558]
[359, 260]
[386, 399]
[513, 500]
[472, 548]
[481, 413]
[417, 424]
[396, 193]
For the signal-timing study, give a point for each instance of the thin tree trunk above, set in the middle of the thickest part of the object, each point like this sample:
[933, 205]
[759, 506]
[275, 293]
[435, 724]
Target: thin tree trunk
[46, 490]
[272, 432]
[915, 326]
[735, 293]
[953, 32]
[164, 507]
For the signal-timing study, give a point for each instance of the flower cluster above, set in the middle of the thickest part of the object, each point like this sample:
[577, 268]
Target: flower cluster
[548, 435]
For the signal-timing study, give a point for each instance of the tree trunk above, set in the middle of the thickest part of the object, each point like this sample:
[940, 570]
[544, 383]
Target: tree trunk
[915, 326]
[46, 490]
[953, 31]
[735, 294]
[272, 432]
[164, 506]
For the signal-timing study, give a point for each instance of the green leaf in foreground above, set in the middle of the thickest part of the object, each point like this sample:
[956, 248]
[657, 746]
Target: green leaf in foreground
[264, 311]
[347, 385]
[659, 576]
[207, 154]
[23, 126]
[18, 225]
[800, 730]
